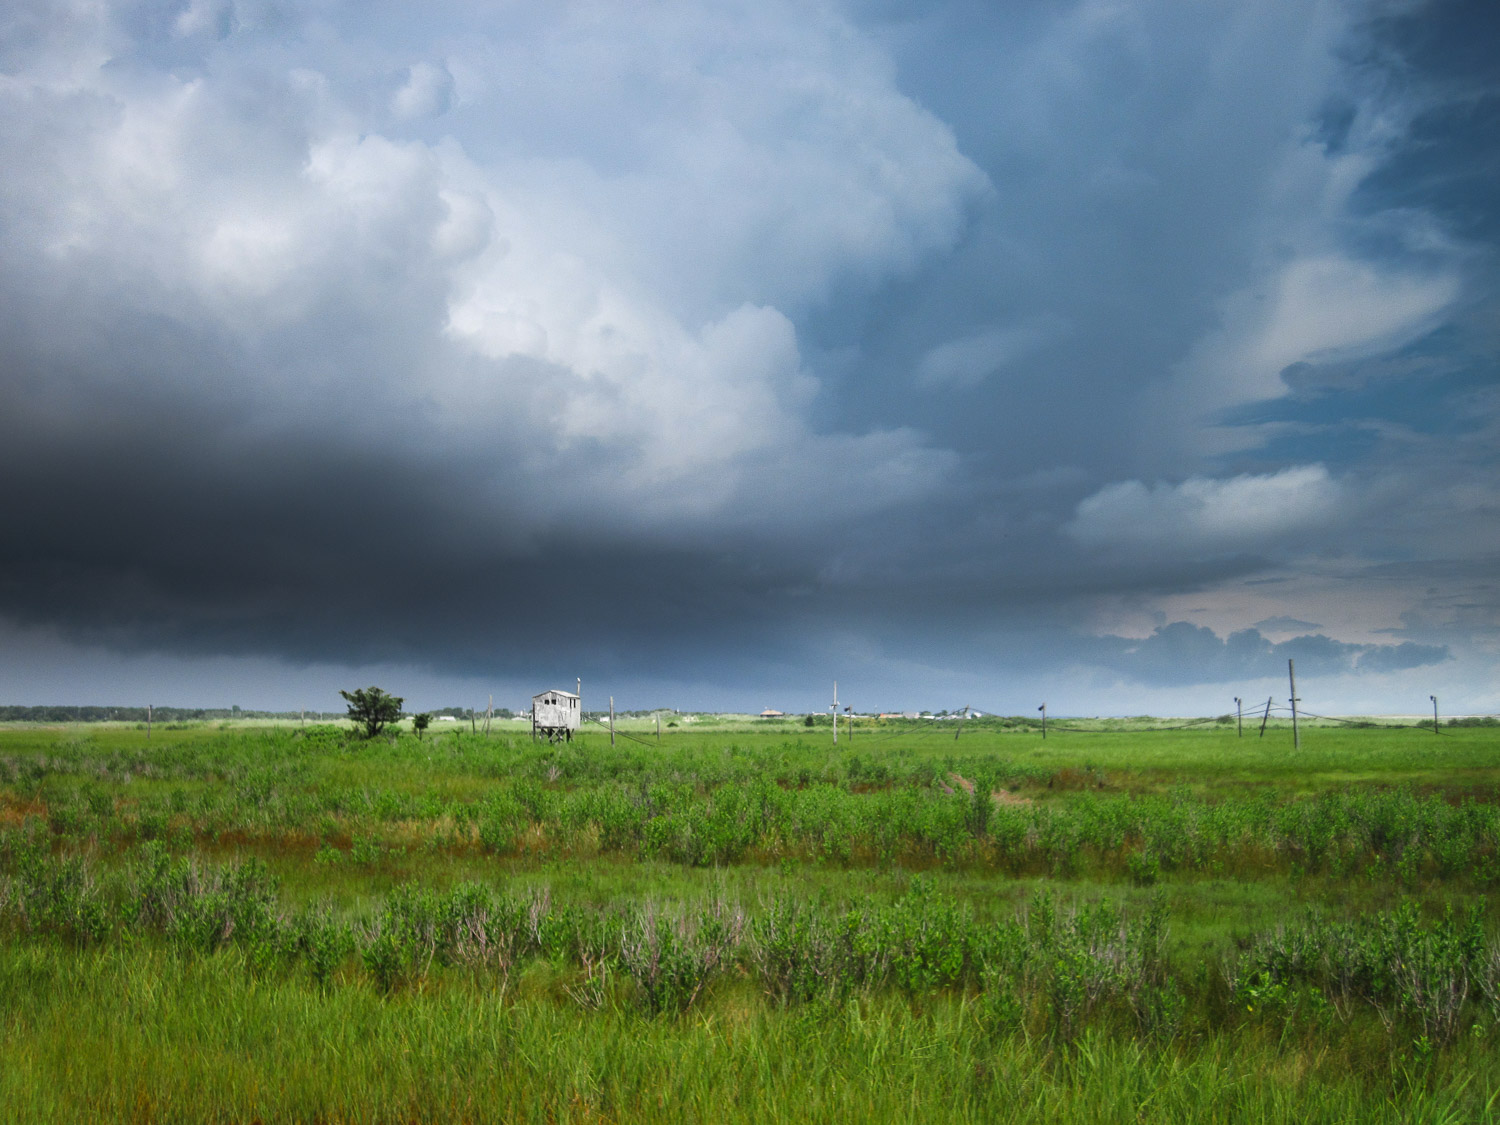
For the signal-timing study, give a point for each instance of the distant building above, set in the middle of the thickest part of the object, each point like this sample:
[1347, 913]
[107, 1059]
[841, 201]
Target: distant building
[770, 714]
[555, 715]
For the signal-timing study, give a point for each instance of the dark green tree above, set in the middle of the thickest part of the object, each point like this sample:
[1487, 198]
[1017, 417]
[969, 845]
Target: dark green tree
[372, 708]
[421, 722]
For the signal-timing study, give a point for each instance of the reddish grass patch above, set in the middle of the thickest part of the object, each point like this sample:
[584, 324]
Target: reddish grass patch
[14, 811]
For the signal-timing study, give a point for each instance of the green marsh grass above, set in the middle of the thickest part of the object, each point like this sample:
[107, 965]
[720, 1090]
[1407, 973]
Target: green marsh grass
[132, 1035]
[247, 922]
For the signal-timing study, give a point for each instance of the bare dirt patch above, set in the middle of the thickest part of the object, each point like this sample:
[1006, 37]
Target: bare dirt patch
[999, 796]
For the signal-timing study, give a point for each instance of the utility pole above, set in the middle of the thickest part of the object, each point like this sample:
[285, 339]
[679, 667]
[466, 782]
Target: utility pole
[962, 716]
[611, 720]
[1239, 716]
[1266, 717]
[1291, 675]
[148, 720]
[849, 724]
[834, 707]
[1434, 714]
[1043, 710]
[658, 728]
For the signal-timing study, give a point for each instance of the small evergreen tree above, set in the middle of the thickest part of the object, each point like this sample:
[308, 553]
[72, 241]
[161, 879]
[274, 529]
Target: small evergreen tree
[372, 708]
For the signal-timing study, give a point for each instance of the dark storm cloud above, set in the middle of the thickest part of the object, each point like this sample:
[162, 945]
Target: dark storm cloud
[1399, 658]
[1283, 624]
[1182, 653]
[736, 342]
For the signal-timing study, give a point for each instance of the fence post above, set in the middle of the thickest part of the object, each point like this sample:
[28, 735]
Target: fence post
[1239, 717]
[1434, 715]
[1266, 717]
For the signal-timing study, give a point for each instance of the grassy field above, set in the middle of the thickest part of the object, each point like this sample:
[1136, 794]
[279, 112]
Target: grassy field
[256, 922]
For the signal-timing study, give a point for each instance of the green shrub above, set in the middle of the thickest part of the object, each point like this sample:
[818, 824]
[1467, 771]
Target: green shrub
[672, 958]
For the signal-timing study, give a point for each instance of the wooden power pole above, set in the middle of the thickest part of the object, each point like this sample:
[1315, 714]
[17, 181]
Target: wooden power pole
[964, 714]
[1291, 674]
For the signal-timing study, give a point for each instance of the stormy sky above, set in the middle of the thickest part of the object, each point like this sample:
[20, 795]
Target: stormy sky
[1099, 352]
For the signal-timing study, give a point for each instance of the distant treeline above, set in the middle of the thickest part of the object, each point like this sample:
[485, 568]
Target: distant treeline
[62, 714]
[73, 714]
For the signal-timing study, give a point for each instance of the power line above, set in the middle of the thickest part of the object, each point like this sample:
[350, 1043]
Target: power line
[929, 724]
[924, 728]
[1134, 730]
[621, 733]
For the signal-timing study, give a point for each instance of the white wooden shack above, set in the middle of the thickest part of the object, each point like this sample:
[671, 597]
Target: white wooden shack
[555, 715]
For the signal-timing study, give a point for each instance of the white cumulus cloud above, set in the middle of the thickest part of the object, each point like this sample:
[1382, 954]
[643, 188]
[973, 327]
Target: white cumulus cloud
[1326, 306]
[1203, 515]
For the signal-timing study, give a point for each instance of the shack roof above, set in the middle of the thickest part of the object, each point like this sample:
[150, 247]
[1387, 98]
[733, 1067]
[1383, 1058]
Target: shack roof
[556, 691]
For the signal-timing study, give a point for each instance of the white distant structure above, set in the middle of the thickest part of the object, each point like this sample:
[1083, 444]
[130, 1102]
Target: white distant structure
[555, 715]
[771, 713]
